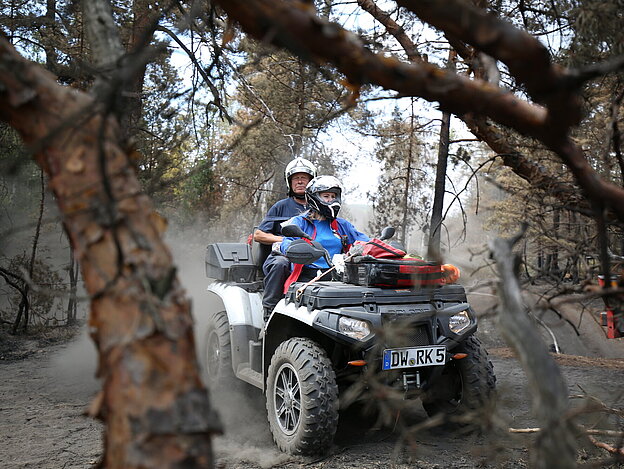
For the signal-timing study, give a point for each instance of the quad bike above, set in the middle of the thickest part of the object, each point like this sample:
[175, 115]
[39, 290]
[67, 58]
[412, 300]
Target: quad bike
[325, 334]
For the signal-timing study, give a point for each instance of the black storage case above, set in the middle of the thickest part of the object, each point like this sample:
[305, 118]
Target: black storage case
[371, 272]
[321, 295]
[230, 262]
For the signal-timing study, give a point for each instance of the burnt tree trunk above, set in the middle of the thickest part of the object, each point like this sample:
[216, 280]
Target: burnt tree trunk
[23, 313]
[155, 408]
[141, 36]
[72, 304]
[555, 271]
[440, 187]
[440, 180]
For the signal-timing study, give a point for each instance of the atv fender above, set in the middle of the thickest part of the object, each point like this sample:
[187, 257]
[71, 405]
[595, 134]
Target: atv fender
[289, 320]
[244, 315]
[243, 308]
[300, 313]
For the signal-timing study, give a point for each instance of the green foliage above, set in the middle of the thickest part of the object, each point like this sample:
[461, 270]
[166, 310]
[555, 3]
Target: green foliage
[283, 105]
[597, 29]
[199, 195]
[19, 183]
[402, 198]
[164, 138]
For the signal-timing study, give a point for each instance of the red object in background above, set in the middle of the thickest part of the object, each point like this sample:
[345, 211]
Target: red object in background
[613, 332]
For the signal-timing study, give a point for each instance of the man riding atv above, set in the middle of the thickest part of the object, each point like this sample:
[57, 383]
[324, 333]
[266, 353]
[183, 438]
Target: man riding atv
[388, 319]
[276, 267]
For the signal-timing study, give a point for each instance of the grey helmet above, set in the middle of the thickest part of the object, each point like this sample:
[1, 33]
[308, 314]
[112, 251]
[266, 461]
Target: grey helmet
[315, 201]
[298, 165]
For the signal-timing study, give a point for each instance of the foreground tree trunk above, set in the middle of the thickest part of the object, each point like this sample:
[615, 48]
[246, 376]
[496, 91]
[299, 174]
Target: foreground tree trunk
[555, 447]
[156, 411]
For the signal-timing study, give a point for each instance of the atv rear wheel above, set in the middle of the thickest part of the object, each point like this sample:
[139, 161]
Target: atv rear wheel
[302, 398]
[465, 385]
[218, 351]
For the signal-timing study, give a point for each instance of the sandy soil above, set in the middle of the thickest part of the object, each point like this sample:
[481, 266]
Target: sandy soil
[43, 396]
[42, 399]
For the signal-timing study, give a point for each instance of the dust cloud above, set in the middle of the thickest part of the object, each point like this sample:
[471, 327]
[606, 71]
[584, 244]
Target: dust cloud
[241, 408]
[246, 436]
[71, 372]
[72, 369]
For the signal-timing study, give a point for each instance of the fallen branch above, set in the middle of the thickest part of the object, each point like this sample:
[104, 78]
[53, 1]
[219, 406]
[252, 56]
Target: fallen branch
[588, 431]
[605, 446]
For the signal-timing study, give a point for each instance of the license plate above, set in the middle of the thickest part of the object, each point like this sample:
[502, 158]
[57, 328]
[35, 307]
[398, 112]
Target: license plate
[414, 357]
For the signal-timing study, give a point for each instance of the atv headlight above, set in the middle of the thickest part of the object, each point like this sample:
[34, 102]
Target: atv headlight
[459, 322]
[353, 328]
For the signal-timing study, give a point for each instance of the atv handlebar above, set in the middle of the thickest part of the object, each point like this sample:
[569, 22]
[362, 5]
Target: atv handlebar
[313, 248]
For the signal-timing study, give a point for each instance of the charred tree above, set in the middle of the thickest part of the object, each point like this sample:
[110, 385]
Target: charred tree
[24, 306]
[440, 188]
[72, 303]
[440, 179]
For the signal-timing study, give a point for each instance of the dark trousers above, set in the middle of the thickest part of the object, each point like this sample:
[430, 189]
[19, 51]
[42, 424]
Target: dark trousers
[308, 274]
[276, 270]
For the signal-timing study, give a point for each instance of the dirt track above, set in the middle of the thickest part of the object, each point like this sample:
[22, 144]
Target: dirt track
[43, 396]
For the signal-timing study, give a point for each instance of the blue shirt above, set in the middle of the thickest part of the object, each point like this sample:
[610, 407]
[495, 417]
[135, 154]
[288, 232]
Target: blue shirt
[344, 229]
[328, 239]
[283, 210]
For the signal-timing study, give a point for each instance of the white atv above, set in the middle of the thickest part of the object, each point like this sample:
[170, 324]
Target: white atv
[325, 335]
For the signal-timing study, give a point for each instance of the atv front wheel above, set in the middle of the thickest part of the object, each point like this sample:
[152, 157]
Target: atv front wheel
[218, 351]
[465, 385]
[302, 398]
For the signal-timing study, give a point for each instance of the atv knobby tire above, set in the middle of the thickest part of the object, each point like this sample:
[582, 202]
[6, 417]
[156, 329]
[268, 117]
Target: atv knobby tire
[217, 355]
[465, 385]
[302, 398]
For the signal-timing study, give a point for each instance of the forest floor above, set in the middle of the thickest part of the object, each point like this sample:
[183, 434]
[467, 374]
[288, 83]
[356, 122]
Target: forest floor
[45, 387]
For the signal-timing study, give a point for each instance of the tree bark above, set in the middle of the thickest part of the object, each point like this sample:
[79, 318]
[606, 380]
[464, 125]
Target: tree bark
[405, 206]
[440, 180]
[133, 90]
[555, 271]
[50, 50]
[155, 408]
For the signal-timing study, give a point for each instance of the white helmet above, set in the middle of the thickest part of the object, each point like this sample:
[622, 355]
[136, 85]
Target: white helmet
[298, 165]
[316, 202]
